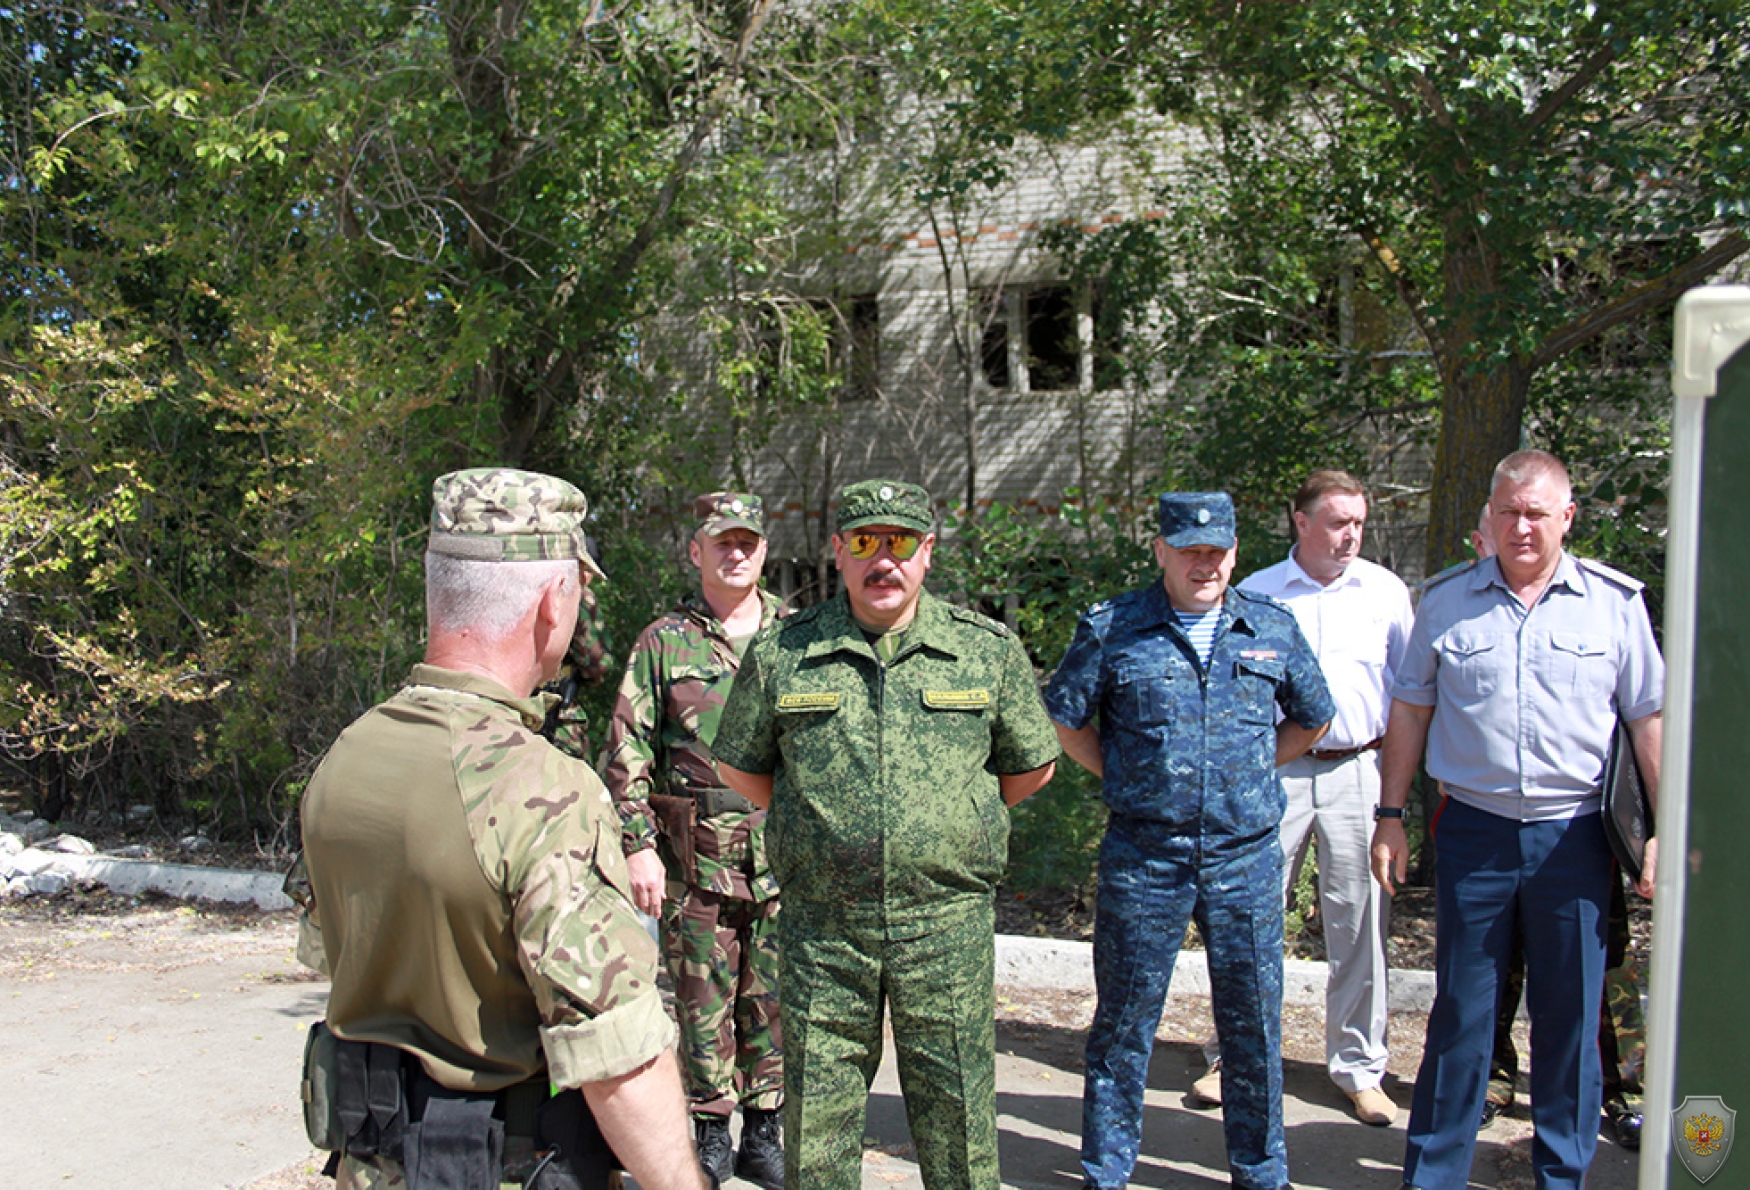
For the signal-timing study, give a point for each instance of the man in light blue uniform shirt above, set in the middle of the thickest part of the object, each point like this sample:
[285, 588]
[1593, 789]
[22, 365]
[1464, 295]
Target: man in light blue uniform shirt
[1517, 671]
[1170, 694]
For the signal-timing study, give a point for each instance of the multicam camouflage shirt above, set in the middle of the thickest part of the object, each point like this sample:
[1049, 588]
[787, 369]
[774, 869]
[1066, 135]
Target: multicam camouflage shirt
[659, 741]
[473, 900]
[886, 803]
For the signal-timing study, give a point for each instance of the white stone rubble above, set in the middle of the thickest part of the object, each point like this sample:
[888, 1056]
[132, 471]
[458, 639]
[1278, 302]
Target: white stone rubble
[54, 867]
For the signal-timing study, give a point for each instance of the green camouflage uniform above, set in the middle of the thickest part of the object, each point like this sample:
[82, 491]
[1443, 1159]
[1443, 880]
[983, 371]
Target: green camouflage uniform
[587, 663]
[720, 916]
[888, 835]
[467, 879]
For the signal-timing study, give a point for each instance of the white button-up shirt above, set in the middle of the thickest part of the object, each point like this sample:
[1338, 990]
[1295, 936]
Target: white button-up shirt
[1359, 627]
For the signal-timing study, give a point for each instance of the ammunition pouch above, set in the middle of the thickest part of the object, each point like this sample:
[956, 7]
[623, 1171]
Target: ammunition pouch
[675, 817]
[366, 1100]
[353, 1096]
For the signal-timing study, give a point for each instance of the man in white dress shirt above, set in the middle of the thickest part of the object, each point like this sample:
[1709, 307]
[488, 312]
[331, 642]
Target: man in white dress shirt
[1357, 616]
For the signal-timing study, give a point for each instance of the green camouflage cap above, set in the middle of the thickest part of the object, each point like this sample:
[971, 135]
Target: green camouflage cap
[497, 514]
[885, 502]
[718, 511]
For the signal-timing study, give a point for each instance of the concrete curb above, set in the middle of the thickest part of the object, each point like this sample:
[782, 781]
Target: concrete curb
[131, 877]
[1034, 963]
[1056, 964]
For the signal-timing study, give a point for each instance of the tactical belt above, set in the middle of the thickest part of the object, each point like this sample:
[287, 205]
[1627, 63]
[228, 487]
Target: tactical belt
[1345, 753]
[713, 802]
[370, 1100]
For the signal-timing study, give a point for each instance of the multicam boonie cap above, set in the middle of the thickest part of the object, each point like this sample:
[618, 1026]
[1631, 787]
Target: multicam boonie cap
[498, 514]
[718, 511]
[1197, 518]
[885, 502]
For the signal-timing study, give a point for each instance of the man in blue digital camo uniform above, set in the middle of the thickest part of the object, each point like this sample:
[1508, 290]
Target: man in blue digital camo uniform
[1186, 676]
[889, 732]
[1518, 669]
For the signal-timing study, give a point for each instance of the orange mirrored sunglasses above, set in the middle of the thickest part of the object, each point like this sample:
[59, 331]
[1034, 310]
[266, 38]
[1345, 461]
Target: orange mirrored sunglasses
[863, 546]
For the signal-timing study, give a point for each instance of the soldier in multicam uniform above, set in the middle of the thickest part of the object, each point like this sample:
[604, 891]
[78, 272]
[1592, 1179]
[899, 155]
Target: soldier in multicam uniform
[1186, 676]
[888, 731]
[474, 905]
[703, 845]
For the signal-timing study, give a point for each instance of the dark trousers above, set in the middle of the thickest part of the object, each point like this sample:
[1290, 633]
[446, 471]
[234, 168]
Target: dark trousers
[1495, 877]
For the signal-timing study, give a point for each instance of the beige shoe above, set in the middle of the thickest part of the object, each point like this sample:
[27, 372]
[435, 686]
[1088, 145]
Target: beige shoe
[1373, 1106]
[1207, 1090]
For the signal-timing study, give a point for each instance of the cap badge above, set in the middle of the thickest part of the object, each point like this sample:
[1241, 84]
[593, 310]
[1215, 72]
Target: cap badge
[886, 492]
[736, 506]
[1202, 516]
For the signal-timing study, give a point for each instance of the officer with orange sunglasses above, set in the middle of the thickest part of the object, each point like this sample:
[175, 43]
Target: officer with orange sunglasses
[889, 732]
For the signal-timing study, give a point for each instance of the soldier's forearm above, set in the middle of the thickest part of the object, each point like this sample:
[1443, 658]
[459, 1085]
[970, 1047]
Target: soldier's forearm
[1293, 740]
[1018, 787]
[1082, 745]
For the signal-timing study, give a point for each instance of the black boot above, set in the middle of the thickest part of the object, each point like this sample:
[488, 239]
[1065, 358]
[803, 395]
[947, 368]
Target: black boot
[761, 1158]
[711, 1134]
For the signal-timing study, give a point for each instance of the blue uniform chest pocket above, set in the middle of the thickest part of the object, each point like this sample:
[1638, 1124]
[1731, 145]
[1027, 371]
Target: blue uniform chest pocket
[1256, 681]
[1144, 697]
[1583, 664]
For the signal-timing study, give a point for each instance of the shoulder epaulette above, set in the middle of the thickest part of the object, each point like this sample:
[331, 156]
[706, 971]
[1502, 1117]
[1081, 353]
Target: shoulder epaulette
[797, 618]
[1449, 572]
[1260, 597]
[1611, 575]
[968, 616]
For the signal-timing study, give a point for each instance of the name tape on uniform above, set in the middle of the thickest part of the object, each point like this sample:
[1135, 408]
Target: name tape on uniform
[826, 701]
[957, 700]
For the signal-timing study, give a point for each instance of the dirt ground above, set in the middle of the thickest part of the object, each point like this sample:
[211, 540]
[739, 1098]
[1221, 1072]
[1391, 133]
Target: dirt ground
[92, 930]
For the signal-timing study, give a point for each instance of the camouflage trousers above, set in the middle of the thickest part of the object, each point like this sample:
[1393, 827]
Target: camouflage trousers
[1152, 884]
[938, 985]
[722, 954]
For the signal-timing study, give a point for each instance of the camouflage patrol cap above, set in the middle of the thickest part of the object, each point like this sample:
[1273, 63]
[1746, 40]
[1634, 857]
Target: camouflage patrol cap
[497, 514]
[1197, 518]
[885, 502]
[718, 511]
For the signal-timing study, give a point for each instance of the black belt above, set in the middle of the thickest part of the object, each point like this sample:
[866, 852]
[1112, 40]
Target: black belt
[1345, 753]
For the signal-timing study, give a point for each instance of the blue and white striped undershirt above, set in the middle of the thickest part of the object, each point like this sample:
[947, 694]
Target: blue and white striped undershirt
[1200, 627]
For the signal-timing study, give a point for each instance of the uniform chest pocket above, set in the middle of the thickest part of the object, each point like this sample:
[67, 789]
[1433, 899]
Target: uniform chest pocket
[1582, 664]
[957, 718]
[1145, 698]
[1472, 662]
[691, 688]
[1256, 681]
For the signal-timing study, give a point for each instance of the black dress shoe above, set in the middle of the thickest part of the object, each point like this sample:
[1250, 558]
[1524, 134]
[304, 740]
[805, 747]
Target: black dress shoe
[1625, 1126]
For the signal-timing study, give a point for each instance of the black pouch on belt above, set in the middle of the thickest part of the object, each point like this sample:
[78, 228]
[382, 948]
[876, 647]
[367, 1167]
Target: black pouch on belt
[456, 1139]
[577, 1155]
[369, 1099]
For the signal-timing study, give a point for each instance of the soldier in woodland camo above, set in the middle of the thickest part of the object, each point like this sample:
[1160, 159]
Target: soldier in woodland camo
[889, 732]
[696, 849]
[473, 902]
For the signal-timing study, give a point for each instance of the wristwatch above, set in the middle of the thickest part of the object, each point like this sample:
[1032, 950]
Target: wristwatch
[1387, 812]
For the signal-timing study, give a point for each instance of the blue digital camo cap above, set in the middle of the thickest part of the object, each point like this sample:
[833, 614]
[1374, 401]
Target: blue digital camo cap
[1197, 518]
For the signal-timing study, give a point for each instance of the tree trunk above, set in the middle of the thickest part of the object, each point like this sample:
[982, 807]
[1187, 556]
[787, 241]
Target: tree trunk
[1481, 416]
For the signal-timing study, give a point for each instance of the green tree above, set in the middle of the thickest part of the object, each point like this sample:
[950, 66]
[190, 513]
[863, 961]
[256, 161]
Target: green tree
[1526, 177]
